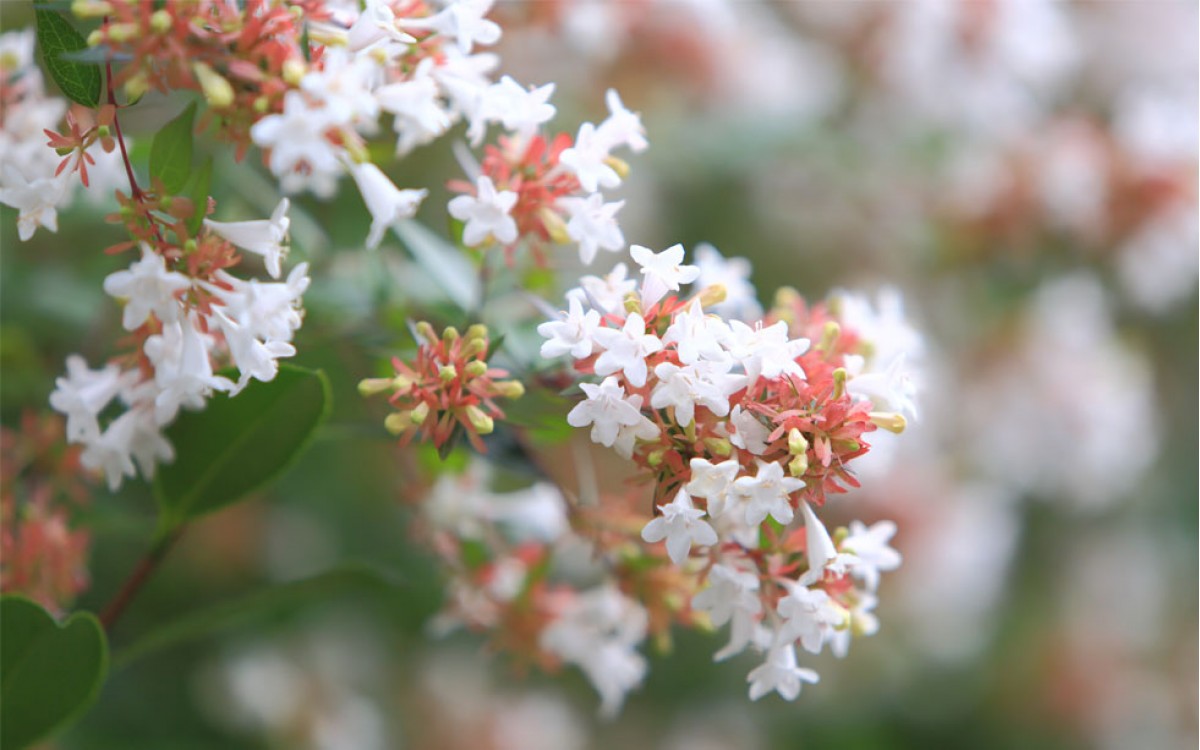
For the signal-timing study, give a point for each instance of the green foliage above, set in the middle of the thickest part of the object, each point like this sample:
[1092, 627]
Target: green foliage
[50, 673]
[171, 151]
[238, 445]
[199, 192]
[79, 82]
[443, 262]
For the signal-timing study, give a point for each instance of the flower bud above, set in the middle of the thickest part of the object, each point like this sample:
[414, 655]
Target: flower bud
[425, 331]
[397, 422]
[798, 465]
[161, 21]
[261, 105]
[655, 458]
[829, 336]
[372, 386]
[620, 166]
[509, 388]
[94, 39]
[91, 8]
[797, 445]
[475, 369]
[136, 87]
[293, 70]
[839, 382]
[713, 294]
[473, 348]
[477, 331]
[446, 373]
[450, 334]
[481, 422]
[216, 89]
[633, 303]
[418, 414]
[718, 446]
[122, 32]
[890, 421]
[554, 225]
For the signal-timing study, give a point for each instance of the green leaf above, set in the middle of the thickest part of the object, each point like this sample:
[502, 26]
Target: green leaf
[50, 673]
[258, 605]
[238, 445]
[171, 151]
[79, 82]
[201, 184]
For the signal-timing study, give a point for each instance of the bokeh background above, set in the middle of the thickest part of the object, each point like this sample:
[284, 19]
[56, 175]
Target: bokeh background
[1024, 172]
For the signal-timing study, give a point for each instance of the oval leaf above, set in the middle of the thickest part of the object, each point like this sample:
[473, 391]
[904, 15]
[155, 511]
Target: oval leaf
[198, 192]
[237, 445]
[171, 151]
[79, 82]
[50, 673]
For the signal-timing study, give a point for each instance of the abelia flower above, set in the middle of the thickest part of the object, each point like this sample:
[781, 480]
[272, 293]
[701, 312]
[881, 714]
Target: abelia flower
[37, 200]
[809, 615]
[571, 335]
[463, 21]
[662, 272]
[729, 590]
[869, 544]
[713, 481]
[681, 525]
[487, 214]
[147, 288]
[780, 673]
[605, 293]
[261, 237]
[588, 160]
[84, 393]
[593, 225]
[607, 409]
[766, 493]
[626, 349]
[741, 298]
[387, 203]
[706, 384]
[622, 127]
[301, 154]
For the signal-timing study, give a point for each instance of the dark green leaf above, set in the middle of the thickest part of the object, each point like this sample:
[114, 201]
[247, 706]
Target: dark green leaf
[237, 445]
[198, 192]
[50, 673]
[79, 82]
[259, 605]
[171, 151]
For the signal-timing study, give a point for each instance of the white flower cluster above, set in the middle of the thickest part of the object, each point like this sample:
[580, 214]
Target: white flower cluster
[28, 179]
[248, 321]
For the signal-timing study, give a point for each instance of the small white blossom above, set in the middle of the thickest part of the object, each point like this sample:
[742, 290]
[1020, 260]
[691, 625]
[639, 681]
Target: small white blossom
[253, 358]
[780, 674]
[606, 409]
[387, 203]
[587, 159]
[302, 156]
[749, 433]
[810, 615]
[593, 225]
[463, 21]
[486, 214]
[606, 293]
[147, 287]
[663, 271]
[729, 590]
[698, 336]
[628, 436]
[270, 311]
[741, 298]
[518, 109]
[712, 482]
[766, 351]
[343, 84]
[818, 546]
[416, 104]
[890, 390]
[571, 335]
[84, 393]
[182, 369]
[870, 546]
[376, 23]
[705, 384]
[261, 237]
[682, 525]
[767, 493]
[37, 200]
[111, 451]
[626, 349]
[862, 622]
[622, 128]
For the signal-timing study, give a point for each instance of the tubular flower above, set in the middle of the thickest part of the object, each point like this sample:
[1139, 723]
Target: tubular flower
[447, 388]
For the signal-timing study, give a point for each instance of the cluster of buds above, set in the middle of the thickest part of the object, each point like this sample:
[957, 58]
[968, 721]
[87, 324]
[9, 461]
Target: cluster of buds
[541, 189]
[745, 430]
[447, 388]
[42, 486]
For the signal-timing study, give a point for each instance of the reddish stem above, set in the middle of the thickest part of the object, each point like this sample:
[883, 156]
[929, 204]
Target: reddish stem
[141, 573]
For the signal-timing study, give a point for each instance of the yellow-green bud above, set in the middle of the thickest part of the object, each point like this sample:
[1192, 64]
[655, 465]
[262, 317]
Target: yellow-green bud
[294, 70]
[473, 348]
[450, 334]
[555, 226]
[655, 459]
[136, 87]
[189, 246]
[122, 32]
[839, 382]
[402, 384]
[446, 373]
[261, 104]
[482, 423]
[890, 421]
[397, 422]
[840, 534]
[475, 369]
[714, 294]
[477, 331]
[93, 40]
[217, 90]
[425, 331]
[633, 303]
[829, 336]
[510, 388]
[718, 446]
[620, 166]
[91, 8]
[373, 386]
[419, 414]
[798, 465]
[160, 21]
[796, 442]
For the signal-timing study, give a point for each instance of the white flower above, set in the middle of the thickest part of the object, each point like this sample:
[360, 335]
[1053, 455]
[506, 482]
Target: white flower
[729, 590]
[486, 214]
[862, 622]
[376, 23]
[622, 128]
[519, 109]
[416, 103]
[704, 383]
[599, 631]
[712, 482]
[682, 525]
[818, 547]
[147, 444]
[84, 393]
[890, 390]
[587, 159]
[626, 349]
[870, 546]
[780, 674]
[147, 287]
[766, 351]
[767, 493]
[302, 157]
[698, 336]
[111, 451]
[387, 203]
[628, 436]
[663, 271]
[593, 225]
[606, 409]
[571, 335]
[462, 21]
[37, 200]
[809, 614]
[261, 237]
[749, 434]
[253, 358]
[182, 369]
[605, 293]
[741, 299]
[269, 311]
[344, 85]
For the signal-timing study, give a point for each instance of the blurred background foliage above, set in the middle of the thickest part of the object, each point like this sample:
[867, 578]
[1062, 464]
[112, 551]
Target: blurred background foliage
[977, 155]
